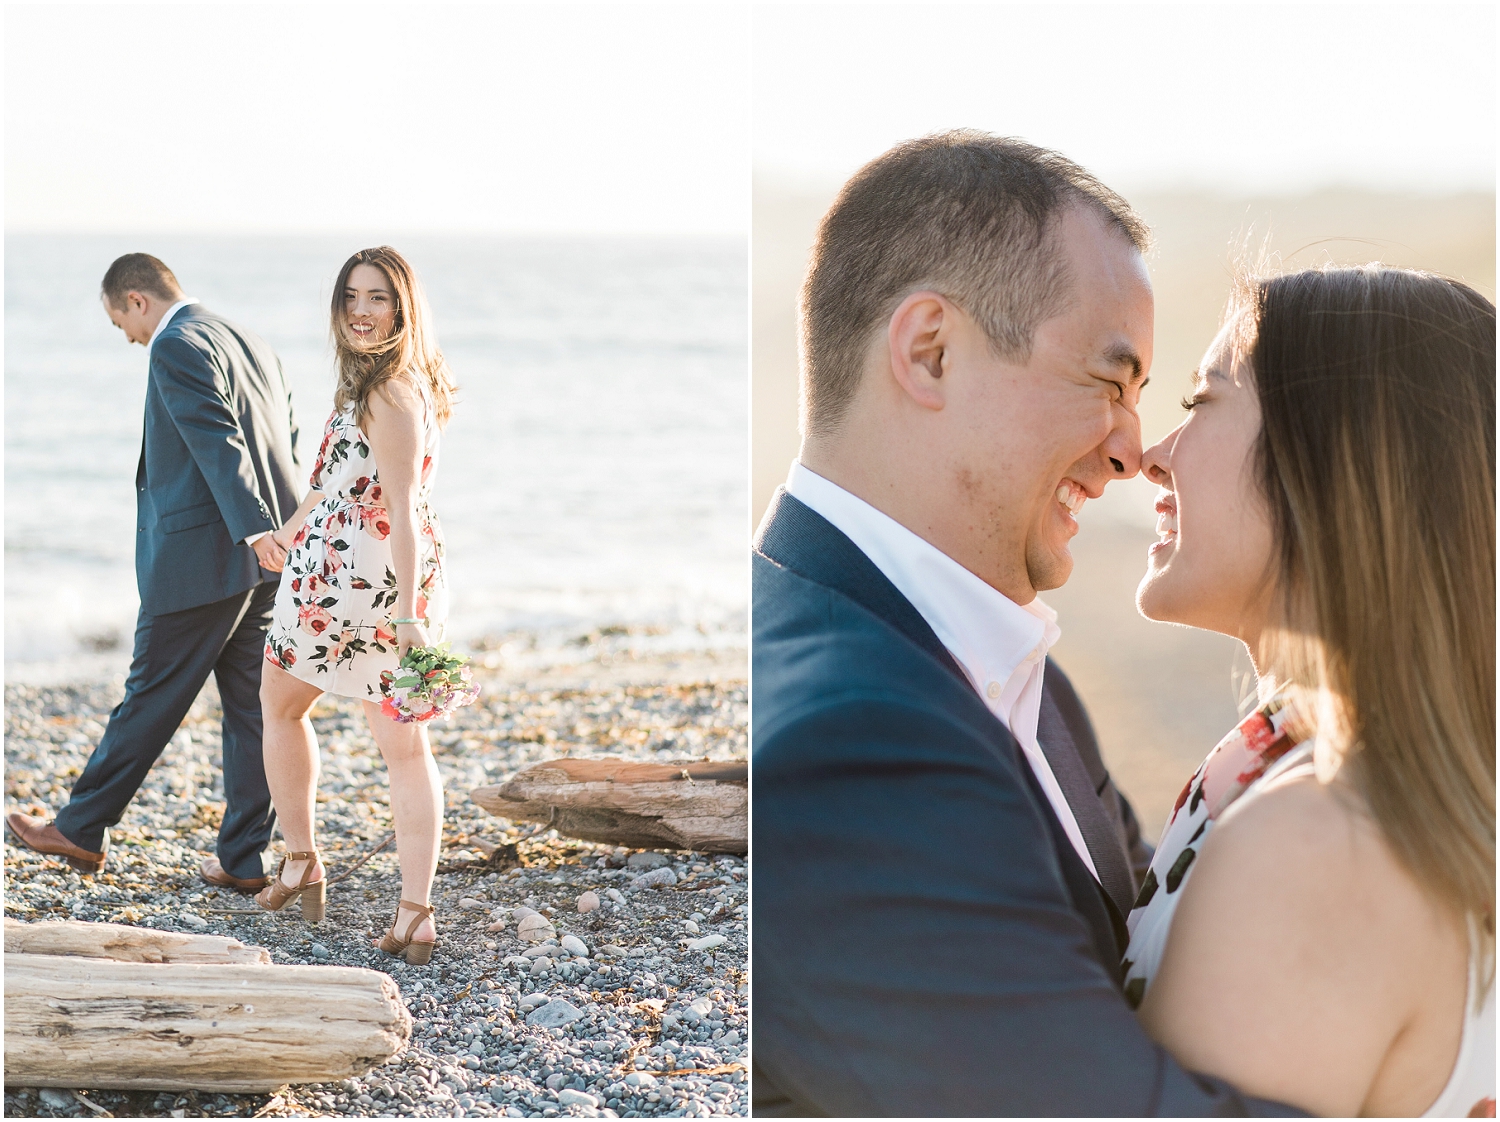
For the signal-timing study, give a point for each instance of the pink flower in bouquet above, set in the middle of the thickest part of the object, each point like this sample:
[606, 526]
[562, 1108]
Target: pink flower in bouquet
[388, 707]
[421, 708]
[313, 619]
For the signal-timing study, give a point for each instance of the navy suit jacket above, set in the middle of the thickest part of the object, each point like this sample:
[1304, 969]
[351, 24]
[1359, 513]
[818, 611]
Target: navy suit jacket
[218, 462]
[927, 941]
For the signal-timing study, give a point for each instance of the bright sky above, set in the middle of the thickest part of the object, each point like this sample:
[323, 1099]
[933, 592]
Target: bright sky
[527, 118]
[1238, 98]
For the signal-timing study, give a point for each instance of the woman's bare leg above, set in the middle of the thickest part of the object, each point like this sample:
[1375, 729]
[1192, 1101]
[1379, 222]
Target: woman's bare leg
[417, 807]
[291, 755]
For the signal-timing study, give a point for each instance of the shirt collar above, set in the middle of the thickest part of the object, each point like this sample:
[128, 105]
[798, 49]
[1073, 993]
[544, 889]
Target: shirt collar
[989, 634]
[166, 319]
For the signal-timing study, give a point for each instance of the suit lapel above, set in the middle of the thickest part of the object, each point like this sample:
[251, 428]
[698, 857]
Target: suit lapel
[798, 538]
[1098, 832]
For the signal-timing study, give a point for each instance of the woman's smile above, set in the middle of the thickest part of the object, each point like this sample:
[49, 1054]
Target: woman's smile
[1166, 522]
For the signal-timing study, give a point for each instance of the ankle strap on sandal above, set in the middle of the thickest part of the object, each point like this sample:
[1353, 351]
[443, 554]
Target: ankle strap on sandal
[311, 857]
[422, 910]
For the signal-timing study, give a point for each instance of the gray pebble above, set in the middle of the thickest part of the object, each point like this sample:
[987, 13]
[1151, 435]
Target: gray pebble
[663, 878]
[554, 1014]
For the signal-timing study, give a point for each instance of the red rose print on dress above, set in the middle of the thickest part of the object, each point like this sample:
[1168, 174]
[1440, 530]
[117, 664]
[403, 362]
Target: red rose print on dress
[328, 432]
[375, 521]
[313, 618]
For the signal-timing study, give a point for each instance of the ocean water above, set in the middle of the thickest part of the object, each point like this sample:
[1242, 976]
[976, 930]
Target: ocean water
[594, 475]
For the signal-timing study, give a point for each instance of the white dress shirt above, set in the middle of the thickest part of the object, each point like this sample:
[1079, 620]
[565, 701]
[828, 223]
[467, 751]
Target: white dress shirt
[160, 326]
[1001, 645]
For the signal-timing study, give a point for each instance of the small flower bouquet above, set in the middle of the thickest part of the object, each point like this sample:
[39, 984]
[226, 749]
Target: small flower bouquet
[430, 682]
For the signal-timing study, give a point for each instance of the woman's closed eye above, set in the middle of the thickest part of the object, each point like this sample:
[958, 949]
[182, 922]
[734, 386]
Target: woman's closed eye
[1197, 398]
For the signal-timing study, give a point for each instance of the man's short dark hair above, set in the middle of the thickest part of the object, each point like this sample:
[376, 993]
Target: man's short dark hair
[139, 272]
[966, 214]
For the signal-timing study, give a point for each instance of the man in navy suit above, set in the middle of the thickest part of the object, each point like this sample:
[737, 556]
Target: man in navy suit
[943, 865]
[218, 472]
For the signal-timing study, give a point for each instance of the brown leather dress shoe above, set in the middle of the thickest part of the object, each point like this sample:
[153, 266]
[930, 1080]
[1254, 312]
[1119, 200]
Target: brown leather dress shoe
[40, 835]
[214, 873]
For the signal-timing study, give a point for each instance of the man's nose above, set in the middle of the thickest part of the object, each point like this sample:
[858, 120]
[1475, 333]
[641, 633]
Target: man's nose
[1123, 448]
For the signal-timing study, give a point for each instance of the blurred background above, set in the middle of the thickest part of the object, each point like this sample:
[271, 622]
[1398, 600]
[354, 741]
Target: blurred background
[571, 183]
[1344, 133]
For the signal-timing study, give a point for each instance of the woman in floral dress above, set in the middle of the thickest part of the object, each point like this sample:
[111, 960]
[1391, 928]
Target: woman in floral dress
[363, 582]
[1318, 923]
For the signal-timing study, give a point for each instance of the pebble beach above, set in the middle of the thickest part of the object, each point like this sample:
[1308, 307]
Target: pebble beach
[570, 978]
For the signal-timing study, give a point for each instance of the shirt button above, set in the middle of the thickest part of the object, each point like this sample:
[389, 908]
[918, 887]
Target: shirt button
[992, 690]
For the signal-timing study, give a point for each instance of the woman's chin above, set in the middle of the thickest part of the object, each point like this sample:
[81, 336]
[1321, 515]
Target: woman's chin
[1154, 597]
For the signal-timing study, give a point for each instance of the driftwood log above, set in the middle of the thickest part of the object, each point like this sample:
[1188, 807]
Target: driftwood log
[126, 944]
[676, 805]
[76, 1019]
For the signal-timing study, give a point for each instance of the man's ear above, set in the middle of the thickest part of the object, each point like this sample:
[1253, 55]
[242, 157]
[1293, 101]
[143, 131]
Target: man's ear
[917, 336]
[134, 300]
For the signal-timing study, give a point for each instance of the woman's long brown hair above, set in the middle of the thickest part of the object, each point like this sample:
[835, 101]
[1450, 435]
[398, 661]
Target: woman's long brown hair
[1377, 456]
[411, 346]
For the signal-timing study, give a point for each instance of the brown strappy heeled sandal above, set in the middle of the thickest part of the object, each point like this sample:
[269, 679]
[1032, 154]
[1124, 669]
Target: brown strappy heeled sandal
[418, 953]
[312, 897]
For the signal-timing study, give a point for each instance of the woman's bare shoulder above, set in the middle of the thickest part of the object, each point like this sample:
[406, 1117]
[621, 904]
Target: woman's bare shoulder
[397, 400]
[1299, 930]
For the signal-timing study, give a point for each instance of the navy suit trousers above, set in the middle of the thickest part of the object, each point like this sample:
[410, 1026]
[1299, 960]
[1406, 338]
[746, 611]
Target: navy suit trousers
[174, 654]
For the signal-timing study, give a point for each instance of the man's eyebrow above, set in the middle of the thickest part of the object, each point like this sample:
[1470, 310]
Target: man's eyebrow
[1122, 354]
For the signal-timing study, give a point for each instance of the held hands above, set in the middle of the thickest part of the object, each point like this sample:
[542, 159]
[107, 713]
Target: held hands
[269, 552]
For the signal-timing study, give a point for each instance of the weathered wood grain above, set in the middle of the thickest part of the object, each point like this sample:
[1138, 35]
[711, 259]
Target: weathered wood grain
[93, 1022]
[676, 805]
[126, 944]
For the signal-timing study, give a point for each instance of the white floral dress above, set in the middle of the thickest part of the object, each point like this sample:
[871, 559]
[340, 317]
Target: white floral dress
[332, 622]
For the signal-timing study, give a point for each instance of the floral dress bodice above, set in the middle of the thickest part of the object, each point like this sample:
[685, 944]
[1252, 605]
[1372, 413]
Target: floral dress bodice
[332, 625]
